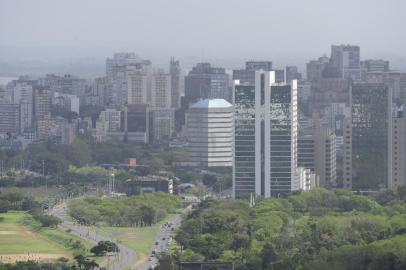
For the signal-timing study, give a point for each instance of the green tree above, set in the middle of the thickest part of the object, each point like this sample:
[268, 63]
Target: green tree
[104, 247]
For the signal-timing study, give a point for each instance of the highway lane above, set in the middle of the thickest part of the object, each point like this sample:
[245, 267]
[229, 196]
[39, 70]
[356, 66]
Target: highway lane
[123, 260]
[164, 238]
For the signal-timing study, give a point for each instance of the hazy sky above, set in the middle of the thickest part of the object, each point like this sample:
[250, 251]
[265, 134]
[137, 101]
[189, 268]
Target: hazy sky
[220, 28]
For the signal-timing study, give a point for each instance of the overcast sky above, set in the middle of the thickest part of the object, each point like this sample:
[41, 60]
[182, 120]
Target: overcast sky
[219, 28]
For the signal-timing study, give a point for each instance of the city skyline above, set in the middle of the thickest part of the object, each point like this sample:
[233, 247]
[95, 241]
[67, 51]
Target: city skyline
[27, 35]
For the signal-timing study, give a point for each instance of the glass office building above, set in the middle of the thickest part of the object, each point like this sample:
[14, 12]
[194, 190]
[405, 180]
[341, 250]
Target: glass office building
[244, 141]
[265, 145]
[368, 138]
[283, 117]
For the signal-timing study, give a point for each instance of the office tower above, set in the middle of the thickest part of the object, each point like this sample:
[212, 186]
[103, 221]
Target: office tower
[346, 59]
[375, 65]
[265, 144]
[57, 129]
[66, 84]
[205, 81]
[209, 125]
[368, 138]
[22, 94]
[136, 123]
[292, 73]
[393, 80]
[247, 75]
[99, 94]
[162, 124]
[317, 152]
[45, 127]
[245, 148]
[161, 90]
[283, 139]
[162, 115]
[329, 90]
[9, 118]
[315, 68]
[42, 102]
[279, 75]
[112, 118]
[117, 70]
[176, 83]
[67, 102]
[398, 149]
[304, 91]
[137, 88]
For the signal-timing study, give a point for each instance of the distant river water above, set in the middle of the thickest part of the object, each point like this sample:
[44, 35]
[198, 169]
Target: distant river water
[6, 80]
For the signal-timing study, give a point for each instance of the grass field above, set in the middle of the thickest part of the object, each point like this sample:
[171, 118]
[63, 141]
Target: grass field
[141, 240]
[20, 235]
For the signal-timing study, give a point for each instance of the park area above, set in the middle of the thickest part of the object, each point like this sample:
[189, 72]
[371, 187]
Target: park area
[22, 239]
[139, 239]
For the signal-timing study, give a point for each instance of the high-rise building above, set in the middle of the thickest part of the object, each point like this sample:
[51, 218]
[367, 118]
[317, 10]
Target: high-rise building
[265, 144]
[137, 88]
[398, 149]
[393, 80]
[245, 147]
[136, 123]
[283, 139]
[315, 68]
[117, 70]
[98, 94]
[317, 152]
[67, 102]
[22, 94]
[247, 75]
[9, 118]
[161, 90]
[375, 65]
[176, 82]
[42, 102]
[162, 124]
[66, 84]
[113, 119]
[346, 59]
[292, 73]
[279, 75]
[205, 81]
[368, 138]
[209, 125]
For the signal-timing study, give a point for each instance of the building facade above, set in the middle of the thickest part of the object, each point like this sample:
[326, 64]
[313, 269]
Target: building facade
[266, 130]
[346, 59]
[368, 138]
[209, 125]
[176, 82]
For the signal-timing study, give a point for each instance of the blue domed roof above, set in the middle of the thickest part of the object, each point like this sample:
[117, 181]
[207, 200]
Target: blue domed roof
[212, 103]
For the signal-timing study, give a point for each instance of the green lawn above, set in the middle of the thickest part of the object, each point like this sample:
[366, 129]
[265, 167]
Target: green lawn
[20, 234]
[15, 238]
[141, 240]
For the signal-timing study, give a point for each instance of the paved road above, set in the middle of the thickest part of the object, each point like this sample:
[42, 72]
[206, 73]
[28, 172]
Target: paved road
[163, 239]
[123, 260]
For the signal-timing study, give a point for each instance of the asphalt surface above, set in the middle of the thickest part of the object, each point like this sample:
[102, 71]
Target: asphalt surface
[126, 258]
[162, 242]
[123, 260]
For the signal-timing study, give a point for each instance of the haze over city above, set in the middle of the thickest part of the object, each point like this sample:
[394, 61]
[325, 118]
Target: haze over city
[202, 135]
[64, 33]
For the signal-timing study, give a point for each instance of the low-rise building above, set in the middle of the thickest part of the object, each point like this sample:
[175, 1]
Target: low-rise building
[148, 184]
